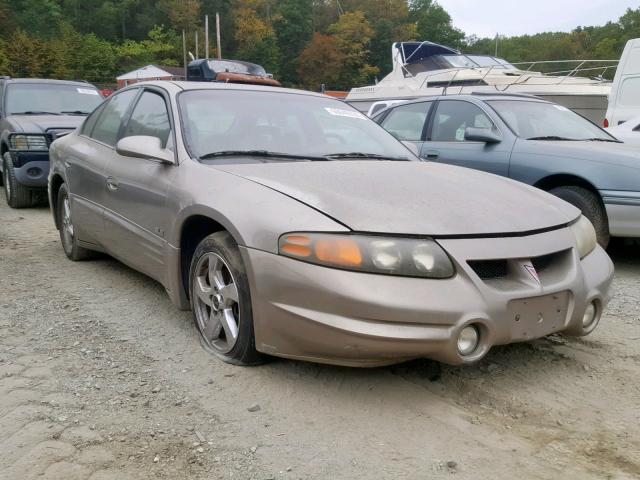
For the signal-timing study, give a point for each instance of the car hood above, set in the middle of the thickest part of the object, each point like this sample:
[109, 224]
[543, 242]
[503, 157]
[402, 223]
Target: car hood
[601, 152]
[44, 123]
[414, 198]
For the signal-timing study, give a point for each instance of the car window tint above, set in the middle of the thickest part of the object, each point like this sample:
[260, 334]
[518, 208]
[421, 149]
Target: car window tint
[453, 117]
[150, 117]
[407, 121]
[108, 124]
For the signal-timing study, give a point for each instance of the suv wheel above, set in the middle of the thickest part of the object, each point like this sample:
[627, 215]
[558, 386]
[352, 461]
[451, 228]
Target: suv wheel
[221, 300]
[590, 206]
[18, 196]
[67, 230]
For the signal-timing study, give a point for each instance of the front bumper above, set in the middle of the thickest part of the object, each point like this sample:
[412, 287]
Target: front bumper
[31, 168]
[623, 211]
[319, 314]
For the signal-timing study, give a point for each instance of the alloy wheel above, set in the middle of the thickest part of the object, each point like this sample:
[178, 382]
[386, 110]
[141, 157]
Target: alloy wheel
[216, 302]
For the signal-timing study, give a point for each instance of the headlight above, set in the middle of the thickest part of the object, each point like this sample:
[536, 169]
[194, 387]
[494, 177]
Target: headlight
[386, 255]
[29, 142]
[585, 235]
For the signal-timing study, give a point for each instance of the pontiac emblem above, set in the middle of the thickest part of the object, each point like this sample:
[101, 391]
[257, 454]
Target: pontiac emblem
[532, 271]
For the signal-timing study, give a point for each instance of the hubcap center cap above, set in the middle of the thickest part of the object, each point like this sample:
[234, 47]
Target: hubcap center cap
[217, 301]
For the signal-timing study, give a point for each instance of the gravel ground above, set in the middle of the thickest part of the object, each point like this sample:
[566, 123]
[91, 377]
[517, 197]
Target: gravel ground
[102, 378]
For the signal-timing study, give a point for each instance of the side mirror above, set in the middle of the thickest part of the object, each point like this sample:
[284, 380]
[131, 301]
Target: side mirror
[143, 146]
[485, 135]
[413, 147]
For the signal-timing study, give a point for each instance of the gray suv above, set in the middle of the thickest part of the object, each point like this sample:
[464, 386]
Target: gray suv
[533, 141]
[33, 113]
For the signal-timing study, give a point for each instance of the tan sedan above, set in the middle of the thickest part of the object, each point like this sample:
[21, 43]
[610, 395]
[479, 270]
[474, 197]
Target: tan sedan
[294, 226]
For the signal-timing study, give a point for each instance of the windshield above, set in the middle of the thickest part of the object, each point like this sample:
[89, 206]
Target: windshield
[459, 61]
[291, 124]
[546, 120]
[51, 98]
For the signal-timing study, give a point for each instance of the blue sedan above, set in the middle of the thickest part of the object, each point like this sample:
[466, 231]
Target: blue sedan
[531, 140]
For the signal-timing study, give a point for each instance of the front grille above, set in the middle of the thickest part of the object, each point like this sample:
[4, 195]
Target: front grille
[489, 269]
[543, 262]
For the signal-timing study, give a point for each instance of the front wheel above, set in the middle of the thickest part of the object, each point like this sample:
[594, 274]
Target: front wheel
[221, 300]
[590, 206]
[18, 196]
[67, 230]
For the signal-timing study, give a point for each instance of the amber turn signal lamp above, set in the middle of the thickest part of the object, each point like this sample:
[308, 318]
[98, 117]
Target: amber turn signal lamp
[296, 246]
[343, 251]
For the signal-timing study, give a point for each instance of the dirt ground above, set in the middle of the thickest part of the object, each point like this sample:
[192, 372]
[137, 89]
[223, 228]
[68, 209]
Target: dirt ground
[102, 378]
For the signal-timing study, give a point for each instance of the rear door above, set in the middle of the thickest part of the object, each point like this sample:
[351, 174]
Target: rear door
[446, 143]
[86, 161]
[408, 122]
[135, 208]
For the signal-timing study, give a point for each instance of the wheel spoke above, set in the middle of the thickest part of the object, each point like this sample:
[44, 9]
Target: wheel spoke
[214, 326]
[229, 294]
[230, 326]
[202, 291]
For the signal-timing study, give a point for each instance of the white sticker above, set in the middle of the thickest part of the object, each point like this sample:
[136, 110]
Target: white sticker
[345, 113]
[87, 91]
[560, 107]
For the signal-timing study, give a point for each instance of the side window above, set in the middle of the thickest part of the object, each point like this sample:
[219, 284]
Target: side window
[453, 117]
[108, 123]
[406, 122]
[89, 123]
[150, 117]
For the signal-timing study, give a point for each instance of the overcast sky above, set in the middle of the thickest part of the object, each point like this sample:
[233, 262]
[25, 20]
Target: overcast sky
[516, 17]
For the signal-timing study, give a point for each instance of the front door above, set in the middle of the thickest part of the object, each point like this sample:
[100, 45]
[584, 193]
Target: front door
[446, 140]
[136, 221]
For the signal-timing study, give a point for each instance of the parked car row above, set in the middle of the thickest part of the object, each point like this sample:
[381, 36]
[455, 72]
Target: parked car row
[292, 225]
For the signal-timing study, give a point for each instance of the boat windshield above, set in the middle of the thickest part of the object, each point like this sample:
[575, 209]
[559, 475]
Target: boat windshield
[445, 62]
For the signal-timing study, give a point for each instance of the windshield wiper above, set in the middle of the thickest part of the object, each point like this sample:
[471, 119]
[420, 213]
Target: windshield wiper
[596, 139]
[364, 155]
[553, 137]
[75, 112]
[259, 153]
[34, 112]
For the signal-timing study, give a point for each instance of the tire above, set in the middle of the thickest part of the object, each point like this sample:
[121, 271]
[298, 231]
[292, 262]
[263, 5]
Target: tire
[221, 301]
[591, 207]
[18, 196]
[65, 227]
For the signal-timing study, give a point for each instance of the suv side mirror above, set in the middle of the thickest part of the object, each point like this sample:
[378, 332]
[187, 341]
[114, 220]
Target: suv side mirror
[486, 135]
[144, 146]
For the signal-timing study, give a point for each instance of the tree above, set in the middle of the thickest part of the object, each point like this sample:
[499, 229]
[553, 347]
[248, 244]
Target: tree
[4, 59]
[162, 46]
[434, 24]
[353, 35]
[320, 63]
[255, 38]
[293, 26]
[183, 14]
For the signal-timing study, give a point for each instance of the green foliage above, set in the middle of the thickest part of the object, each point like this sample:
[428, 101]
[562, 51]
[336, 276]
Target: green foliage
[304, 42]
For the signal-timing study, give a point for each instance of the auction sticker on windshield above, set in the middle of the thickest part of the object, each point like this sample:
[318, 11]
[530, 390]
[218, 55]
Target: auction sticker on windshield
[345, 113]
[87, 91]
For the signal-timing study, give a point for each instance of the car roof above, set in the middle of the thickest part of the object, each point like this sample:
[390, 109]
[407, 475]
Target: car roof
[181, 85]
[47, 80]
[479, 96]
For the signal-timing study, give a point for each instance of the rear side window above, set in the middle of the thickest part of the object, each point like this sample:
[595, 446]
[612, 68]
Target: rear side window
[108, 123]
[406, 122]
[452, 119]
[150, 117]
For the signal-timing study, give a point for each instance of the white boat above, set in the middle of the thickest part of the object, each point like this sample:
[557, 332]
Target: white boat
[426, 68]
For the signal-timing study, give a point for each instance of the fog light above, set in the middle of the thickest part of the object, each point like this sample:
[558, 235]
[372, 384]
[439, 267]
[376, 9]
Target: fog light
[468, 340]
[589, 315]
[34, 172]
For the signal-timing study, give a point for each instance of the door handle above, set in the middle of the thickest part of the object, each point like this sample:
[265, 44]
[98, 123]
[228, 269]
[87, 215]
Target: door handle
[432, 154]
[112, 185]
